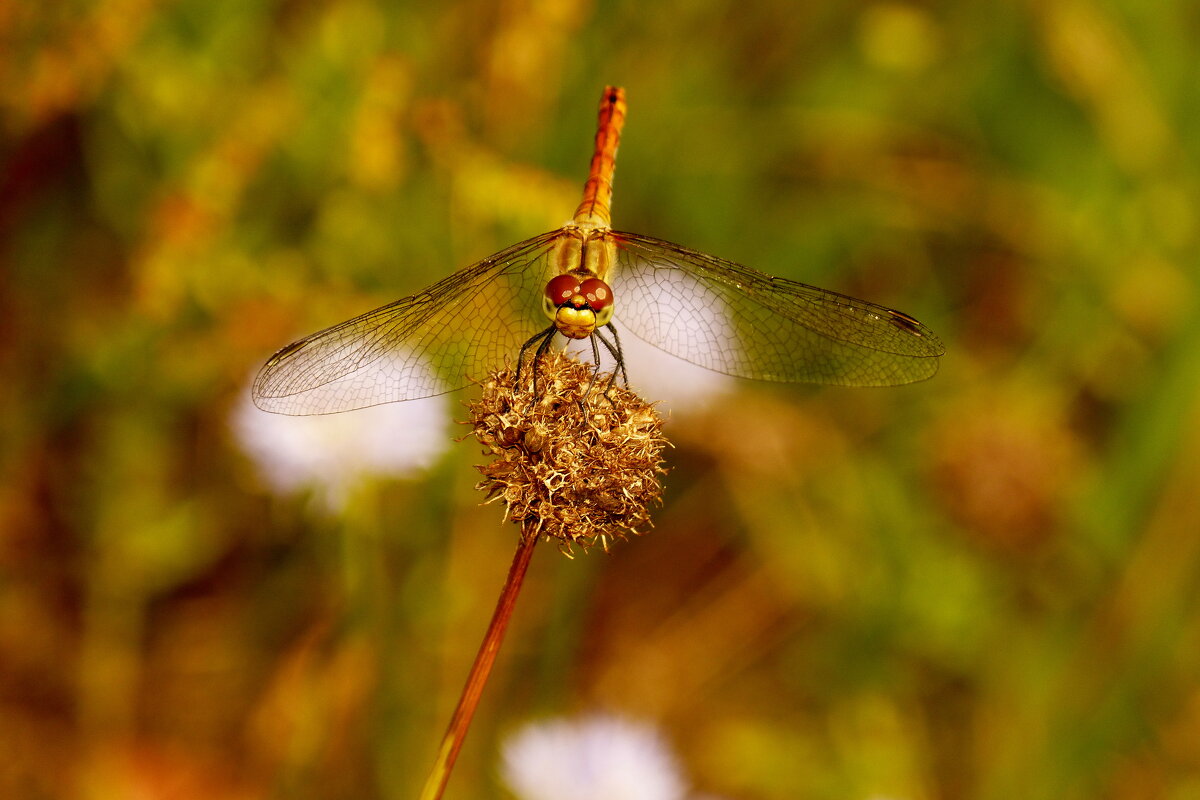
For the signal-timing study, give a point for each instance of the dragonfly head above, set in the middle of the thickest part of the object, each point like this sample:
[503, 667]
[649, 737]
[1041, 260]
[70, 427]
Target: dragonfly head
[577, 306]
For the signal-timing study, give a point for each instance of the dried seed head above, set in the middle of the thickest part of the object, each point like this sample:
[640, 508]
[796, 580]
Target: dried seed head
[574, 462]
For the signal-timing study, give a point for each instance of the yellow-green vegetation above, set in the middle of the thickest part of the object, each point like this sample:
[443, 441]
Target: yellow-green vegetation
[980, 586]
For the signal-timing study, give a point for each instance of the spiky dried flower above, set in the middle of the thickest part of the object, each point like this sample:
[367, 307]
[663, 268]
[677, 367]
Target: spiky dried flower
[578, 460]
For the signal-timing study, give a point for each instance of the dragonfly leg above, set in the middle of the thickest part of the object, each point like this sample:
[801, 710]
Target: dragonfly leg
[543, 348]
[619, 355]
[542, 340]
[596, 358]
[596, 371]
[614, 349]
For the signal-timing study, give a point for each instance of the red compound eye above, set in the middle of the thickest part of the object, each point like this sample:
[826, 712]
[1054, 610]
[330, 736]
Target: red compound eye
[597, 293]
[562, 288]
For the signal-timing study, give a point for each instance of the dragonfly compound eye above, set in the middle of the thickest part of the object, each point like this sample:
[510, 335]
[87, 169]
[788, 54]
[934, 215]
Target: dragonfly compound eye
[562, 288]
[598, 295]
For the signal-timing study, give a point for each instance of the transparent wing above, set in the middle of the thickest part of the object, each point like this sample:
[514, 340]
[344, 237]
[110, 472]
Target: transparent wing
[424, 345]
[736, 320]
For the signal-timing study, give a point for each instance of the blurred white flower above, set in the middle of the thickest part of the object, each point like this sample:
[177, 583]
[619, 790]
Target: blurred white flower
[594, 758]
[671, 382]
[680, 385]
[330, 454]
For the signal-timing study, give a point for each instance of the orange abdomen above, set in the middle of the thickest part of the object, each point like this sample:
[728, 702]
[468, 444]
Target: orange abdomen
[595, 209]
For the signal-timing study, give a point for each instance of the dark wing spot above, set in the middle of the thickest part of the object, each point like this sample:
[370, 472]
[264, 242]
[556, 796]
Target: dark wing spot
[286, 351]
[905, 322]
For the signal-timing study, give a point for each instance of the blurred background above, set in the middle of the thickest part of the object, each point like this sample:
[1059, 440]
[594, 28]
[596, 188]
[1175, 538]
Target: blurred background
[981, 586]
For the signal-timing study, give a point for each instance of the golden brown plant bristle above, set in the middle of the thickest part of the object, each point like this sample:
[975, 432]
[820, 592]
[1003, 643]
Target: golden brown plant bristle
[573, 462]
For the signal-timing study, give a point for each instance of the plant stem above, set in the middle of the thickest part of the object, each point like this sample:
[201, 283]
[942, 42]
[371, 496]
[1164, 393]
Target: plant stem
[456, 732]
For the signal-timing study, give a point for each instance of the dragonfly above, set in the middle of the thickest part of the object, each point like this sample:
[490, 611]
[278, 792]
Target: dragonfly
[583, 281]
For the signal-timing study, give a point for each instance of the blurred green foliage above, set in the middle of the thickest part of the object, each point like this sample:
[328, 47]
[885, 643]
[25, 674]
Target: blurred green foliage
[983, 586]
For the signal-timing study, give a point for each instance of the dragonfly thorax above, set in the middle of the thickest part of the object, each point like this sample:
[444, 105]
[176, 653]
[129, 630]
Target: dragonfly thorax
[577, 303]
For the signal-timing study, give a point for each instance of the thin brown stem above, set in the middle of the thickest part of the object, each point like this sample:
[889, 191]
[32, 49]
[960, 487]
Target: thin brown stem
[456, 732]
